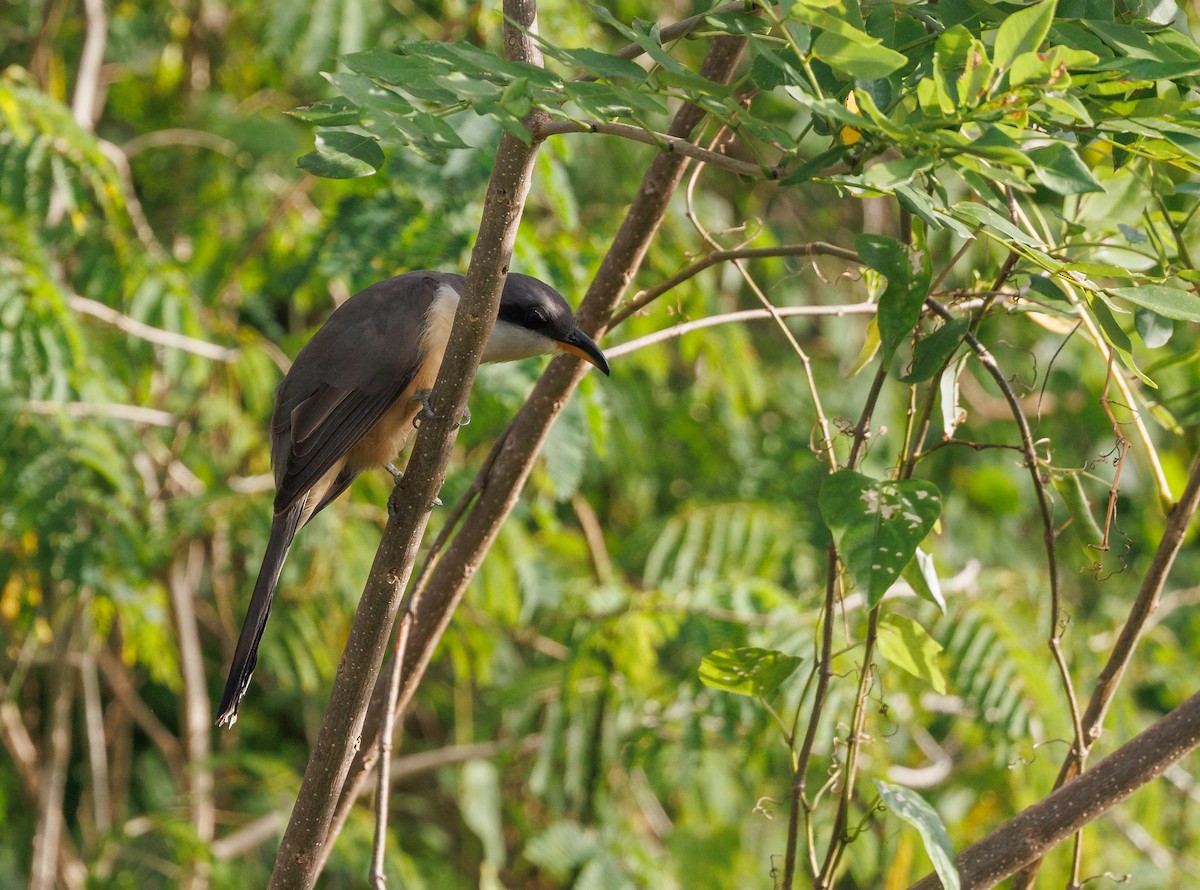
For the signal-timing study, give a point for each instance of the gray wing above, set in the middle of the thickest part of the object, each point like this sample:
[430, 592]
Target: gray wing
[345, 379]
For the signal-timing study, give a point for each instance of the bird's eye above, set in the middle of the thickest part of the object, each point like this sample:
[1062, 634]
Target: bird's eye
[539, 316]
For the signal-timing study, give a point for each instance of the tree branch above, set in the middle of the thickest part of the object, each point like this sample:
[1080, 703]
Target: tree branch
[1034, 832]
[303, 848]
[149, 333]
[512, 458]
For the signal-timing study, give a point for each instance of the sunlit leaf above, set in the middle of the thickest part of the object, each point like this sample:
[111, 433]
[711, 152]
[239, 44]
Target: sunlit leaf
[748, 671]
[1023, 32]
[343, 155]
[907, 645]
[913, 809]
[1169, 302]
[877, 525]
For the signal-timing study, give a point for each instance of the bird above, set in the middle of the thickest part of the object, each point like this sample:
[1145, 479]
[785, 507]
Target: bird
[351, 399]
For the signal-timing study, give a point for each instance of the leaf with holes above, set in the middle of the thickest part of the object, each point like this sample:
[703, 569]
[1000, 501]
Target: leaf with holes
[749, 671]
[877, 525]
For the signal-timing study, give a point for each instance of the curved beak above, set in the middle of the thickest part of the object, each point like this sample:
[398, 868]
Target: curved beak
[580, 344]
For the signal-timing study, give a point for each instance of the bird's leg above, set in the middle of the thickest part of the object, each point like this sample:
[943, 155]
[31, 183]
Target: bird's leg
[427, 412]
[393, 500]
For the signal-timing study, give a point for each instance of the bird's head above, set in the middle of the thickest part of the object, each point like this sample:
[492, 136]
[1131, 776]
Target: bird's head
[535, 319]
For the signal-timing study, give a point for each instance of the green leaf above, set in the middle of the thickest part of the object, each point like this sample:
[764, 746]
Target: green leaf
[900, 303]
[933, 351]
[1047, 288]
[909, 646]
[479, 797]
[877, 525]
[1059, 169]
[922, 576]
[1169, 302]
[1023, 32]
[1154, 329]
[865, 59]
[334, 113]
[914, 810]
[343, 155]
[748, 671]
[1116, 337]
[1070, 487]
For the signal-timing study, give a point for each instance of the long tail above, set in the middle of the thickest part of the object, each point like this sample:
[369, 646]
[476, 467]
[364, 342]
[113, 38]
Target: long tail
[283, 529]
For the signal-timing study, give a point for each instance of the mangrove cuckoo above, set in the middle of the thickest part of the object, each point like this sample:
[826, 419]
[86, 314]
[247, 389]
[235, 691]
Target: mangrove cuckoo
[351, 397]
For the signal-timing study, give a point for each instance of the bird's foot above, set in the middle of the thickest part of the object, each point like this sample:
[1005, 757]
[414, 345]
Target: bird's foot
[427, 412]
[393, 498]
[393, 501]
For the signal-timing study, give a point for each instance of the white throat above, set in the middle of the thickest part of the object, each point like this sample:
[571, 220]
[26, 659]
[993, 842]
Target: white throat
[506, 343]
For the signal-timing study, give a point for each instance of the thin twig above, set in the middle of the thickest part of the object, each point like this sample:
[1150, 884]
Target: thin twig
[809, 249]
[378, 876]
[49, 829]
[662, 141]
[149, 333]
[131, 413]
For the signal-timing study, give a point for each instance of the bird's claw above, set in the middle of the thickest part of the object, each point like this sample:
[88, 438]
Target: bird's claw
[427, 412]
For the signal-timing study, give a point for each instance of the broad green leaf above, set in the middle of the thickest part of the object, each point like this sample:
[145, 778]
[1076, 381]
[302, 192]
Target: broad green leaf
[334, 113]
[748, 671]
[1059, 169]
[343, 155]
[900, 303]
[934, 350]
[877, 525]
[1023, 32]
[914, 810]
[1154, 329]
[907, 645]
[922, 575]
[866, 59]
[366, 93]
[1169, 302]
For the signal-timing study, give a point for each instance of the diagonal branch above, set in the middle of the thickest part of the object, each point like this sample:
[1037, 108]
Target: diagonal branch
[512, 458]
[1034, 832]
[302, 850]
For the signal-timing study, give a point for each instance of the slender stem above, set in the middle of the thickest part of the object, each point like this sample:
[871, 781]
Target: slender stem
[662, 141]
[711, 321]
[809, 249]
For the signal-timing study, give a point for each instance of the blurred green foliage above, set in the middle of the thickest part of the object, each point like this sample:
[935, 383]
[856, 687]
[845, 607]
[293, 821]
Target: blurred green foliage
[564, 736]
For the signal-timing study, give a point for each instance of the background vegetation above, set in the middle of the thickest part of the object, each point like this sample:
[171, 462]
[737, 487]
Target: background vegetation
[162, 255]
